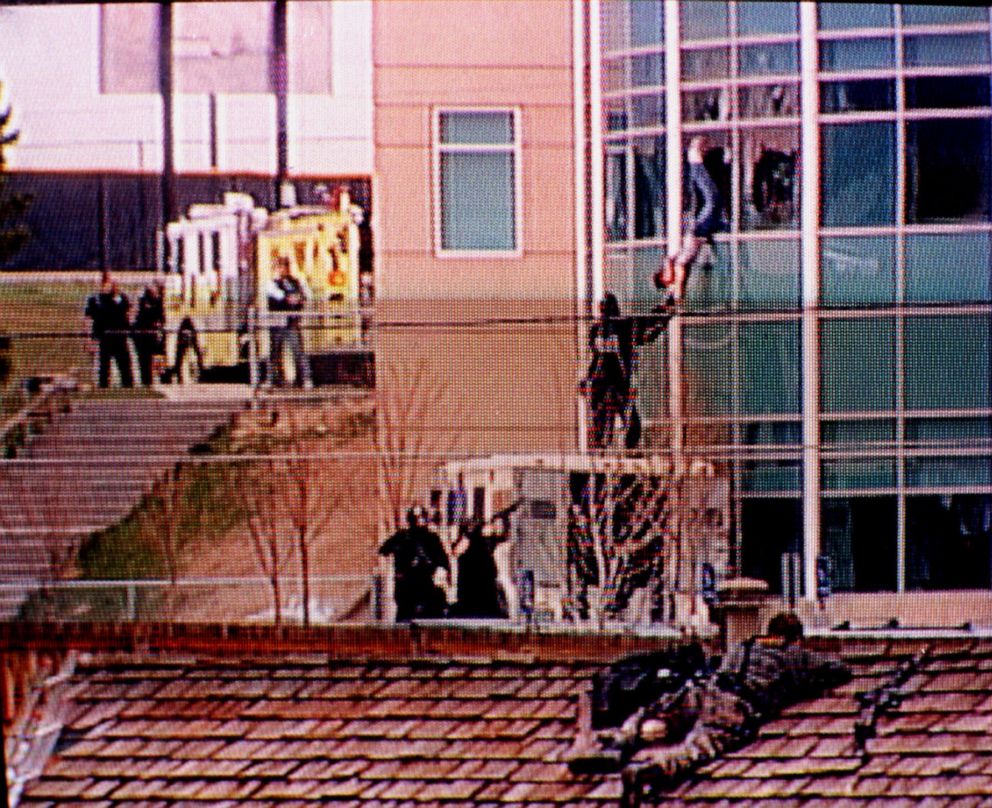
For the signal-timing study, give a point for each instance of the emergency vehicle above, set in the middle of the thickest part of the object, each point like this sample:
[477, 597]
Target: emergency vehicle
[221, 258]
[542, 492]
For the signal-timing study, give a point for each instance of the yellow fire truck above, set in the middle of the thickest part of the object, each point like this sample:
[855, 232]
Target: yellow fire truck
[221, 259]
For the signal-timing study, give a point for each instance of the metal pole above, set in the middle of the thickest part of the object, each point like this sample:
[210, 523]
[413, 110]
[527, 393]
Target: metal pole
[279, 85]
[168, 187]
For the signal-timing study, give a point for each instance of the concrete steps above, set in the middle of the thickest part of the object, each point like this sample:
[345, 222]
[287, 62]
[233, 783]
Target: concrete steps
[87, 471]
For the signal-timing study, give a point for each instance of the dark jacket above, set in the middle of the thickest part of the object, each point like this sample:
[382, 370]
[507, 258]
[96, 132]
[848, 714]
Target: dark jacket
[109, 313]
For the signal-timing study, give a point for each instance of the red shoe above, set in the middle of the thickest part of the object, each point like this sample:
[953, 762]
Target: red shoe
[665, 276]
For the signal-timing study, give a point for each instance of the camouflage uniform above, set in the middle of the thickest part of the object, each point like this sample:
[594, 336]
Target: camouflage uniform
[696, 725]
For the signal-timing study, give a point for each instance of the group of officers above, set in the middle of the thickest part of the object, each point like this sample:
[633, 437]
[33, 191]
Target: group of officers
[420, 558]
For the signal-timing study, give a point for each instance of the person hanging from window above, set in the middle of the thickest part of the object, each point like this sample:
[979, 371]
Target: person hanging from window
[707, 221]
[608, 385]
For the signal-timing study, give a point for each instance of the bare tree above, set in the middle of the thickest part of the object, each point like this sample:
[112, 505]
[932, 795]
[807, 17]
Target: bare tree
[164, 512]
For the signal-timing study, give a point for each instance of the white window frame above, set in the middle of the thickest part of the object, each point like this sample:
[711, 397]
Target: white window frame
[514, 149]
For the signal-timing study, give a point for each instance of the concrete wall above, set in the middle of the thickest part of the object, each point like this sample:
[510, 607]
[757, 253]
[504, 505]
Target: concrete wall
[50, 63]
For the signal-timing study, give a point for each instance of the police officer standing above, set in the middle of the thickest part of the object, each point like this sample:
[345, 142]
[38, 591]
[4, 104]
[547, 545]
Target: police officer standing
[108, 309]
[287, 295]
[417, 554]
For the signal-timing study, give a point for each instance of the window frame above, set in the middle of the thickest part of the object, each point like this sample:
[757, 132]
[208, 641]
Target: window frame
[514, 149]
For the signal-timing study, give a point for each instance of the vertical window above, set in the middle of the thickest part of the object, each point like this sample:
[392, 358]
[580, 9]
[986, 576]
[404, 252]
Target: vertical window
[477, 180]
[859, 168]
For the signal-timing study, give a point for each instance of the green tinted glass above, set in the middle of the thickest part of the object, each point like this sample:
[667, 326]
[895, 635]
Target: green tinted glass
[857, 364]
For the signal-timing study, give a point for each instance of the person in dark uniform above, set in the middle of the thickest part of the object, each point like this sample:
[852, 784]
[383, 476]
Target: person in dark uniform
[613, 341]
[109, 309]
[479, 590]
[148, 329]
[417, 554]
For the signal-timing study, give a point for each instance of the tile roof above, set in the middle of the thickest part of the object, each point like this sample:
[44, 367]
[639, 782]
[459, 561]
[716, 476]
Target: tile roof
[161, 730]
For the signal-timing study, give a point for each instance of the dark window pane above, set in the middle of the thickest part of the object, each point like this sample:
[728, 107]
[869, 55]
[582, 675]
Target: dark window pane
[647, 70]
[769, 101]
[859, 536]
[705, 105]
[858, 271]
[647, 22]
[477, 127]
[946, 268]
[769, 527]
[840, 16]
[857, 365]
[769, 178]
[947, 362]
[703, 19]
[770, 359]
[708, 63]
[951, 431]
[860, 472]
[763, 60]
[616, 194]
[857, 54]
[773, 433]
[755, 17]
[615, 114]
[947, 542]
[947, 470]
[647, 110]
[948, 170]
[772, 475]
[857, 96]
[649, 188]
[951, 92]
[858, 174]
[874, 433]
[947, 49]
[913, 14]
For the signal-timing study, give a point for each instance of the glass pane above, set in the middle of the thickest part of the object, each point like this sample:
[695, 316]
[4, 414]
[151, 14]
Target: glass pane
[769, 528]
[756, 17]
[938, 15]
[947, 177]
[769, 182]
[769, 273]
[707, 362]
[616, 194]
[704, 19]
[647, 22]
[615, 24]
[615, 114]
[706, 105]
[951, 92]
[874, 433]
[857, 54]
[477, 202]
[772, 475]
[647, 110]
[839, 16]
[858, 365]
[955, 431]
[859, 536]
[858, 473]
[858, 174]
[934, 472]
[614, 75]
[858, 271]
[947, 542]
[763, 60]
[647, 70]
[649, 187]
[857, 96]
[931, 277]
[129, 48]
[946, 49]
[769, 101]
[708, 63]
[770, 365]
[476, 127]
[772, 433]
[710, 282]
[947, 362]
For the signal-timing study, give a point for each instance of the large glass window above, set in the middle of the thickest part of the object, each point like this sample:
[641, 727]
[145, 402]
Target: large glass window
[769, 528]
[649, 187]
[647, 22]
[705, 63]
[858, 271]
[771, 359]
[946, 49]
[945, 268]
[859, 537]
[647, 70]
[948, 542]
[947, 92]
[947, 362]
[616, 192]
[840, 16]
[859, 166]
[857, 364]
[708, 382]
[769, 273]
[913, 14]
[758, 17]
[704, 19]
[947, 172]
[647, 110]
[857, 54]
[764, 60]
[477, 178]
[870, 95]
[770, 180]
[769, 101]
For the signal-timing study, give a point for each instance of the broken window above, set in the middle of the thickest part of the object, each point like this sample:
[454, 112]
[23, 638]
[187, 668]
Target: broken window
[947, 542]
[769, 101]
[705, 105]
[769, 528]
[947, 171]
[770, 181]
[859, 537]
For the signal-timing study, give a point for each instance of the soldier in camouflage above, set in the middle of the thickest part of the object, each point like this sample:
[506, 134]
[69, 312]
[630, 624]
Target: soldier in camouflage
[695, 725]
